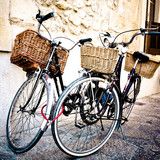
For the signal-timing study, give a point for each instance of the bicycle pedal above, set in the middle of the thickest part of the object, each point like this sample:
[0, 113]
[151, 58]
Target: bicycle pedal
[124, 120]
[79, 125]
[66, 113]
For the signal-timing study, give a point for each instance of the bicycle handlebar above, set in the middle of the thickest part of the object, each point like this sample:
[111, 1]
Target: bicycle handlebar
[152, 33]
[125, 44]
[49, 15]
[82, 41]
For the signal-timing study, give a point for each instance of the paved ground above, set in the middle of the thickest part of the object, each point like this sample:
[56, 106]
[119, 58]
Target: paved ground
[142, 139]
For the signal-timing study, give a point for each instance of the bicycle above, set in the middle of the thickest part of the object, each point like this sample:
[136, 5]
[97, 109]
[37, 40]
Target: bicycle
[30, 112]
[94, 104]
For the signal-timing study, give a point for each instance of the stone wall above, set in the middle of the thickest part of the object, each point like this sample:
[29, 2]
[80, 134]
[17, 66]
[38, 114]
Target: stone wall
[73, 18]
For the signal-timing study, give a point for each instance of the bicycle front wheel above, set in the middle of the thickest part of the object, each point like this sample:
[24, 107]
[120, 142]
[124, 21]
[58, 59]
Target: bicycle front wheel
[89, 118]
[24, 118]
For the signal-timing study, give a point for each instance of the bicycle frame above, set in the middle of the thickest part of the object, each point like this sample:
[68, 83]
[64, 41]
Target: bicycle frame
[115, 83]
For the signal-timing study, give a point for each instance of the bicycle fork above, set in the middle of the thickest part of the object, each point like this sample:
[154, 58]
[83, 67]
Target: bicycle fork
[50, 101]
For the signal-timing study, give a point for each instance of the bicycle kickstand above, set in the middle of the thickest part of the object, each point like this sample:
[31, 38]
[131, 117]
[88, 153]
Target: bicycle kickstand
[122, 132]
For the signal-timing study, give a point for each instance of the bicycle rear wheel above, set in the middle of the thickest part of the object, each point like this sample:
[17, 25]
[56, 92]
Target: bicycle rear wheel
[134, 88]
[82, 129]
[24, 118]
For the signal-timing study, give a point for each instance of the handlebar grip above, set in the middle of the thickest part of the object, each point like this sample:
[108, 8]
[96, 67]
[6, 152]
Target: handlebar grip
[47, 16]
[152, 33]
[42, 18]
[82, 41]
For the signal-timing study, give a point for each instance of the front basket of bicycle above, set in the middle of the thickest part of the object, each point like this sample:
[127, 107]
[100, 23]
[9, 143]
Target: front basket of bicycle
[99, 59]
[146, 70]
[31, 51]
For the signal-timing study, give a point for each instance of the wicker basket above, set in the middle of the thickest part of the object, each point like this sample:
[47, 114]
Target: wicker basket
[146, 70]
[62, 55]
[30, 49]
[98, 59]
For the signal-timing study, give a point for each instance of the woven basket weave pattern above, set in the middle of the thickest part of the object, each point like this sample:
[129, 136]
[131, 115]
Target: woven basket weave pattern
[98, 59]
[30, 48]
[146, 70]
[62, 59]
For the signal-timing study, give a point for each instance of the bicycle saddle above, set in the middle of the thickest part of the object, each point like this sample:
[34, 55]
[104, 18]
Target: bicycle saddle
[141, 56]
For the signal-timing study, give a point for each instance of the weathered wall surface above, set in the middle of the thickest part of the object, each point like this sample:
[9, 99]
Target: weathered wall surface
[74, 19]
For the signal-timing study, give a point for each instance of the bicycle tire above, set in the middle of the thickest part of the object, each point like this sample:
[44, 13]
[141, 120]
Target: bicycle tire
[67, 135]
[133, 91]
[23, 129]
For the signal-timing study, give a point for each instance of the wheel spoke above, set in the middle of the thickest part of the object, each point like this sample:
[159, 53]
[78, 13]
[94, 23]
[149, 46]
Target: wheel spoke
[23, 124]
[132, 94]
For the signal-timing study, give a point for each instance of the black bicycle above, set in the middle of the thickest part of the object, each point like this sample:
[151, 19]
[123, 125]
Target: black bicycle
[94, 105]
[31, 110]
